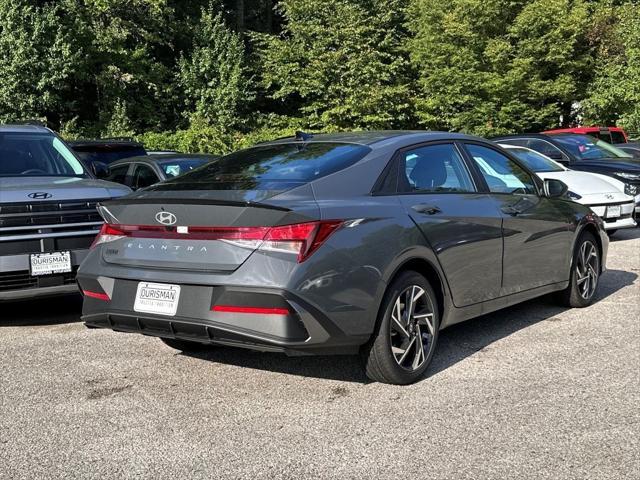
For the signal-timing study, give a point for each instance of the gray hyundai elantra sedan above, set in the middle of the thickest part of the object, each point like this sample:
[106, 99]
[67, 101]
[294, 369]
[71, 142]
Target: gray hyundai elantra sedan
[367, 243]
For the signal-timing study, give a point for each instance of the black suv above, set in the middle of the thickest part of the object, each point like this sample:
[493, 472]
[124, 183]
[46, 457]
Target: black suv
[105, 151]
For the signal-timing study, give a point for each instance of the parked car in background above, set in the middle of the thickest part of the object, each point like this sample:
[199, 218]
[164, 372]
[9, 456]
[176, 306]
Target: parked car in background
[611, 135]
[140, 172]
[48, 216]
[98, 153]
[604, 195]
[585, 153]
[370, 242]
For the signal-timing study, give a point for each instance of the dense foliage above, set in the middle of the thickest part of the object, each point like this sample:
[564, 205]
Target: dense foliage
[217, 74]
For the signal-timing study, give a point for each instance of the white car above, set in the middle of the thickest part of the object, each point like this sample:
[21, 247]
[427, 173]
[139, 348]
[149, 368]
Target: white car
[604, 195]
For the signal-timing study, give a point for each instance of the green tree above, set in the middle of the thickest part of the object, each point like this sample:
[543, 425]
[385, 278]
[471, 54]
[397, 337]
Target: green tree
[213, 75]
[38, 60]
[339, 63]
[497, 66]
[614, 96]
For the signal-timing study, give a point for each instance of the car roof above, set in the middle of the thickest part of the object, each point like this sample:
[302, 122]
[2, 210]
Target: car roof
[521, 135]
[584, 130]
[24, 128]
[375, 136]
[159, 157]
[105, 142]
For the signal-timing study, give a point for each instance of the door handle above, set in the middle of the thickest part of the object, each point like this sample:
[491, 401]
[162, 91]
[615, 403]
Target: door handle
[425, 208]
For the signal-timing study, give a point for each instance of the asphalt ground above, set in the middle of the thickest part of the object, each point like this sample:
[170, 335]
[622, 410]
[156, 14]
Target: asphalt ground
[534, 391]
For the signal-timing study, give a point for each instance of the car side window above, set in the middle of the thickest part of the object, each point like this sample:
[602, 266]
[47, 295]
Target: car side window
[434, 168]
[502, 174]
[118, 174]
[144, 176]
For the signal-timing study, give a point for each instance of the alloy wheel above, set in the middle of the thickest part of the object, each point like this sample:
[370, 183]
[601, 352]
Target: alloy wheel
[412, 328]
[587, 267]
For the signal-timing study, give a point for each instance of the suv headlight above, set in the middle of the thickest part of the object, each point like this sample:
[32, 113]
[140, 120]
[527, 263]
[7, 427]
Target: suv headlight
[628, 176]
[573, 195]
[630, 189]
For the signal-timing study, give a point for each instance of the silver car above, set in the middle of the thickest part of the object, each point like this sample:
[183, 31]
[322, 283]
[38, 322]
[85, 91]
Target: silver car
[48, 216]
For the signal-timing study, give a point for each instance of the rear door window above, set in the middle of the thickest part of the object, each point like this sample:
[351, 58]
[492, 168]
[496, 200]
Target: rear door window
[270, 167]
[118, 174]
[434, 168]
[144, 176]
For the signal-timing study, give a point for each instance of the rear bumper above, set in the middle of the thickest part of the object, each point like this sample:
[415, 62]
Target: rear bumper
[304, 331]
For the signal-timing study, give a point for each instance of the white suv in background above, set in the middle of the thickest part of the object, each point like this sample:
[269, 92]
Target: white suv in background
[604, 195]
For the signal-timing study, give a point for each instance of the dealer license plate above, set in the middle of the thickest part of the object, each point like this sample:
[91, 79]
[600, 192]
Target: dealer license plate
[50, 263]
[159, 298]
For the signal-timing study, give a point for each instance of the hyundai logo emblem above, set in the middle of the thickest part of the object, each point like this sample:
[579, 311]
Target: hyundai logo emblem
[609, 196]
[39, 195]
[166, 218]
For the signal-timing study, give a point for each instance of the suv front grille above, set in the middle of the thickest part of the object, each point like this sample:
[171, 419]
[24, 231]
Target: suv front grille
[47, 226]
[21, 280]
[47, 213]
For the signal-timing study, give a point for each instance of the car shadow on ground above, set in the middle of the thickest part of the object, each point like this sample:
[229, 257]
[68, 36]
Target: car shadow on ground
[455, 344]
[41, 311]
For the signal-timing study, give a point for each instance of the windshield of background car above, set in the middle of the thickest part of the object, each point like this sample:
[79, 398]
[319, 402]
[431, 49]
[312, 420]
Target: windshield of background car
[586, 147]
[178, 166]
[269, 167]
[536, 161]
[108, 154]
[37, 154]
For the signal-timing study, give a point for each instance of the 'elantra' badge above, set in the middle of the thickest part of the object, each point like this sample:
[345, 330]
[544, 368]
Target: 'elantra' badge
[166, 218]
[39, 195]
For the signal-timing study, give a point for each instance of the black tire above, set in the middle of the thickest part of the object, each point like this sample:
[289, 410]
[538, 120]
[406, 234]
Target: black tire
[184, 345]
[612, 232]
[583, 281]
[392, 356]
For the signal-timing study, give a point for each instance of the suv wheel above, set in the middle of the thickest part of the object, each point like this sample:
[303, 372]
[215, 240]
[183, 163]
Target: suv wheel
[403, 344]
[585, 273]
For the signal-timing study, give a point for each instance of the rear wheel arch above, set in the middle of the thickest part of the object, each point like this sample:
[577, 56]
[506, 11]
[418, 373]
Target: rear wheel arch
[425, 268]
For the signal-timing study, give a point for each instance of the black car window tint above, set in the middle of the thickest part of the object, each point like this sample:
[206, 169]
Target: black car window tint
[118, 173]
[434, 168]
[501, 173]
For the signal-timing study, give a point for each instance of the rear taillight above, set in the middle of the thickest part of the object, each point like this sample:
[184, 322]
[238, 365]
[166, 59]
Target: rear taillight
[301, 239]
[96, 295]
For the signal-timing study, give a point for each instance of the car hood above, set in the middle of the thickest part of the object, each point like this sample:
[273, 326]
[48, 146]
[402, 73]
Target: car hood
[631, 165]
[586, 183]
[18, 189]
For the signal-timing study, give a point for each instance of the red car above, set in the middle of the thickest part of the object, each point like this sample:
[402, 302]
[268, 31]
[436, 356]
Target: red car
[614, 135]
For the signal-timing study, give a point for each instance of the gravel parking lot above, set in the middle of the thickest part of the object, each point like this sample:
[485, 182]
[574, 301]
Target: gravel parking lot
[534, 391]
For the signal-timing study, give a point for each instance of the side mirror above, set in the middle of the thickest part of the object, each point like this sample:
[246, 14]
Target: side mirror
[100, 170]
[554, 188]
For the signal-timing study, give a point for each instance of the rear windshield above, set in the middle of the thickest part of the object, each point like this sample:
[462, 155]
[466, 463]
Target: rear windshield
[37, 154]
[269, 167]
[107, 153]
